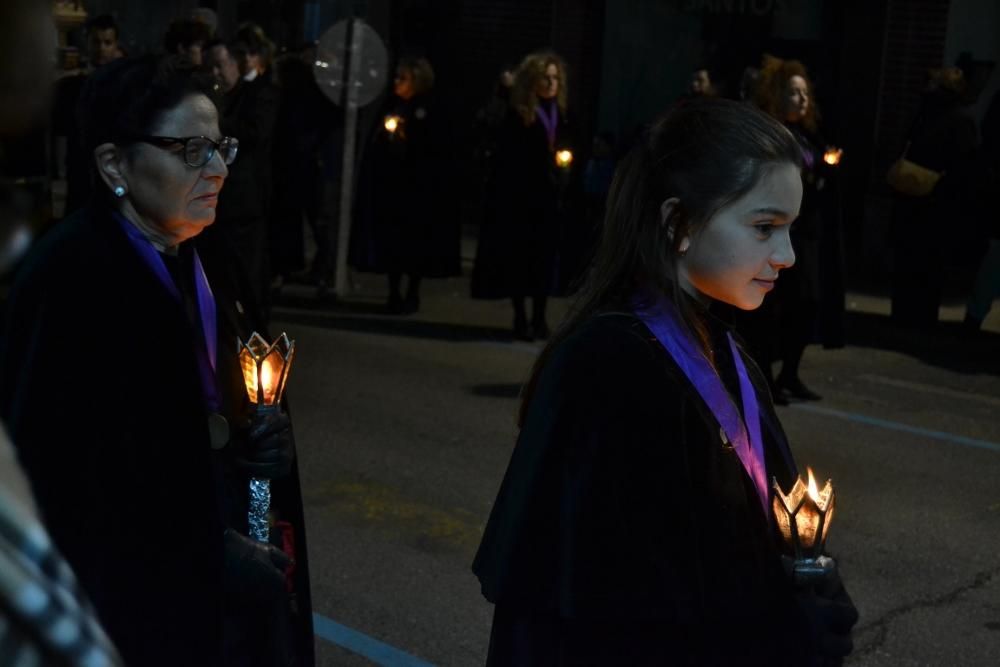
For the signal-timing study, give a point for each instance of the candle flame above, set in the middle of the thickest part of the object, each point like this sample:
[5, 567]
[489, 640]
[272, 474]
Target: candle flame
[813, 489]
[267, 377]
[391, 123]
[832, 156]
[564, 158]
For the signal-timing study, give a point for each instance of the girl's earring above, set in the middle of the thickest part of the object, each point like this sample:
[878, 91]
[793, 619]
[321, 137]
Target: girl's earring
[120, 191]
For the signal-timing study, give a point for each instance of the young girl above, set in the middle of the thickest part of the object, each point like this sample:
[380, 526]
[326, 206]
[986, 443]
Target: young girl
[633, 525]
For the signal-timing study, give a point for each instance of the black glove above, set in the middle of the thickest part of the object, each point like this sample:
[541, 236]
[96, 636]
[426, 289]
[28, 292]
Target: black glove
[268, 448]
[831, 614]
[253, 569]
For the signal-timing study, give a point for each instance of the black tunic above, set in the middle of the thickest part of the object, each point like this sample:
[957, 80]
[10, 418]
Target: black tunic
[527, 205]
[99, 388]
[406, 217]
[625, 531]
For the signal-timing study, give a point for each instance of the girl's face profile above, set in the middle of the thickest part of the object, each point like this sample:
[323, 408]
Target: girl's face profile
[735, 257]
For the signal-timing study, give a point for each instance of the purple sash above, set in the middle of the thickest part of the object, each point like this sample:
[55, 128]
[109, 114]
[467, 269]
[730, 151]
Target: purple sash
[662, 319]
[550, 120]
[206, 306]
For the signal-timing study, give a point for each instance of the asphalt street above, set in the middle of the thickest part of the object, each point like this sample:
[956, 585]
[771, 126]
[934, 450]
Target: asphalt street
[404, 426]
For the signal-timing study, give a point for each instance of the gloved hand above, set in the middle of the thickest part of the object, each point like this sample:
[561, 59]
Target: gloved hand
[831, 614]
[253, 569]
[268, 448]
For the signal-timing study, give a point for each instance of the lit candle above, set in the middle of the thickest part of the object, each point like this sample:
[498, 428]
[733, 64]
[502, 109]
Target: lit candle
[803, 517]
[392, 124]
[564, 158]
[832, 155]
[265, 372]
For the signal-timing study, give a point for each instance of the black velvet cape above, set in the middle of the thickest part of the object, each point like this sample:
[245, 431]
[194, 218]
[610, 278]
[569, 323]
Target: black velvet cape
[625, 531]
[530, 202]
[99, 389]
[405, 219]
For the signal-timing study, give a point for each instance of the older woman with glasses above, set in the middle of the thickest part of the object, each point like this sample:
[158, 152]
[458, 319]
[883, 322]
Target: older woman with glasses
[119, 382]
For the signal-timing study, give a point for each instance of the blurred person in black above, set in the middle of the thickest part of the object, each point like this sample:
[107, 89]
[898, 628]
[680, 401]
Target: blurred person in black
[207, 16]
[987, 283]
[103, 40]
[634, 525]
[72, 163]
[31, 564]
[489, 120]
[808, 304]
[701, 83]
[123, 323]
[187, 38]
[247, 111]
[305, 122]
[528, 198]
[406, 216]
[944, 139]
[257, 54]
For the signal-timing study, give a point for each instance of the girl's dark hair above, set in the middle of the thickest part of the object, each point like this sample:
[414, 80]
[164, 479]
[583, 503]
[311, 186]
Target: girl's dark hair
[128, 97]
[707, 153]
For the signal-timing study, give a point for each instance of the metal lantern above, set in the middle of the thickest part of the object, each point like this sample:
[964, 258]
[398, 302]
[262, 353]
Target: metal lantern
[803, 517]
[265, 372]
[265, 368]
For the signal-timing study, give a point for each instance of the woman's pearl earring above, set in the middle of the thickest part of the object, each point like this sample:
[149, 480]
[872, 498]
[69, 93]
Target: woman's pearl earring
[120, 191]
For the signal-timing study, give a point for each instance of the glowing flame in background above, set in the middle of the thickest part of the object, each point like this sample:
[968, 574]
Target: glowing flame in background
[832, 156]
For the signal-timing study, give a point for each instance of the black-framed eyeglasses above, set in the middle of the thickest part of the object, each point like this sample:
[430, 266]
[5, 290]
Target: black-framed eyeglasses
[197, 150]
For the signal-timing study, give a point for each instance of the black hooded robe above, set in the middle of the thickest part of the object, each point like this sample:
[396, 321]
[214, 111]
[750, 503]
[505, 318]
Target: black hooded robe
[100, 391]
[626, 531]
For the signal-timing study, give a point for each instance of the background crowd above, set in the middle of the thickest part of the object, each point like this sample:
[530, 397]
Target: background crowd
[537, 188]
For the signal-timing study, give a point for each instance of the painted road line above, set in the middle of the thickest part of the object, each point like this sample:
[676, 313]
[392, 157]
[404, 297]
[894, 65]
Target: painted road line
[896, 426]
[363, 645]
[930, 389]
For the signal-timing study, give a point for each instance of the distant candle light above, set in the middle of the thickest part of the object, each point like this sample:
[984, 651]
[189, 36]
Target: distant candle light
[832, 156]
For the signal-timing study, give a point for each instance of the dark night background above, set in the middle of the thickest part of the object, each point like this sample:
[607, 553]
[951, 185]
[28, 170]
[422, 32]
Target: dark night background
[628, 60]
[404, 424]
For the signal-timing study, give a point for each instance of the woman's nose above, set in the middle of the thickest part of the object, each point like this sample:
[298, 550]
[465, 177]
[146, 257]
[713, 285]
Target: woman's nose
[216, 167]
[783, 255]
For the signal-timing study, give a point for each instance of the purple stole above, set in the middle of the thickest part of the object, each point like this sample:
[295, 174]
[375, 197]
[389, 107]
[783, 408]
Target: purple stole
[549, 119]
[743, 434]
[207, 352]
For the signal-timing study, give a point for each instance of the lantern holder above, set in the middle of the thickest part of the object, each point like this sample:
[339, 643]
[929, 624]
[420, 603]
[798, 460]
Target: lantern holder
[808, 564]
[260, 496]
[265, 390]
[808, 571]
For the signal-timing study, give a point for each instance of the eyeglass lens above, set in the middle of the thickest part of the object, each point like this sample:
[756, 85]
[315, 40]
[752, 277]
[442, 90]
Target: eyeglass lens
[199, 151]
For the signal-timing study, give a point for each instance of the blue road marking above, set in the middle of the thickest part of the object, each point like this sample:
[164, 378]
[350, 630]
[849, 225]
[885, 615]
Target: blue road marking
[896, 426]
[363, 645]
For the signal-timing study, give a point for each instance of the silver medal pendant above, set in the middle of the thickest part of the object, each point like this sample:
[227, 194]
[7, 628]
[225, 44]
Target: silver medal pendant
[218, 431]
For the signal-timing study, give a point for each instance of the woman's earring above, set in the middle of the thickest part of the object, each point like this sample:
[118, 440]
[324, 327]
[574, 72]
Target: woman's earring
[120, 191]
